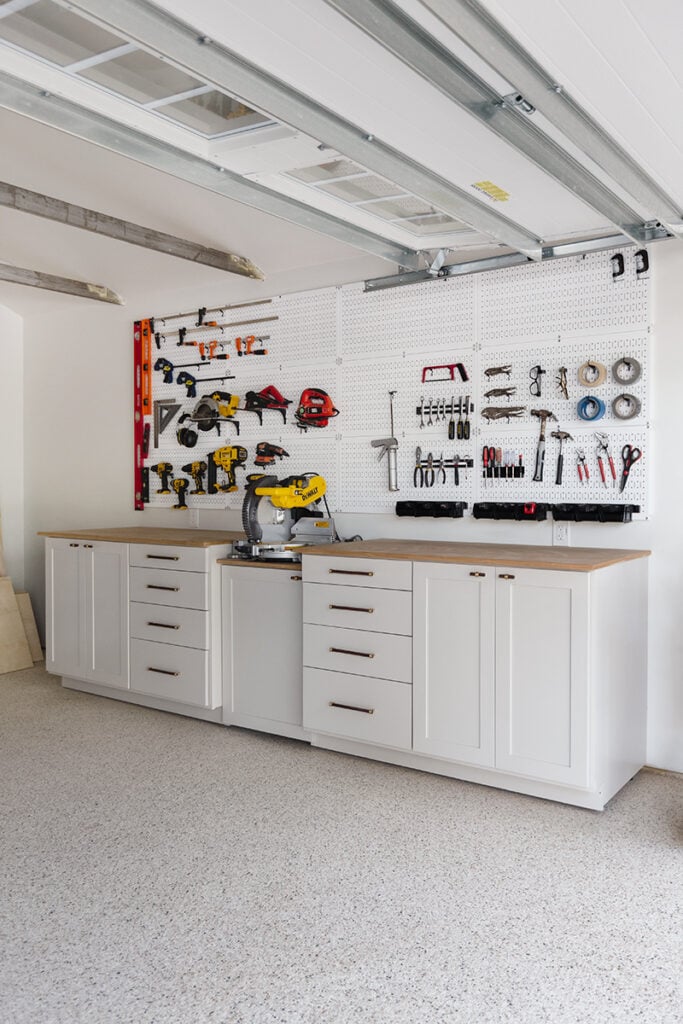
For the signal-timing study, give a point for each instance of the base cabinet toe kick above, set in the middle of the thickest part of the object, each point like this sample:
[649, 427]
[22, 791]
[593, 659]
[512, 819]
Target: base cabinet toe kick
[510, 677]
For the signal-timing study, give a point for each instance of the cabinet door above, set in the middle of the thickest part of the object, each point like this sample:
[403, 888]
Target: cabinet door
[262, 645]
[106, 604]
[65, 611]
[541, 674]
[453, 662]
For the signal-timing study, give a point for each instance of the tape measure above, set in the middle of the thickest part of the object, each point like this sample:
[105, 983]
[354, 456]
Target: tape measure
[626, 370]
[626, 407]
[590, 408]
[591, 375]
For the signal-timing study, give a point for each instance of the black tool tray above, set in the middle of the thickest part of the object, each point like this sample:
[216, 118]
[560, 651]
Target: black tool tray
[435, 509]
[533, 511]
[579, 513]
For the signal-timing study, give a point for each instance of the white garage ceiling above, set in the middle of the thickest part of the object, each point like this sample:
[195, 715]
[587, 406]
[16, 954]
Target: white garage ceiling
[381, 124]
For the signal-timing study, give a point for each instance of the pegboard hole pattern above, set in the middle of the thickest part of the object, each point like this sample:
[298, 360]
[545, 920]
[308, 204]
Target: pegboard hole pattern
[358, 346]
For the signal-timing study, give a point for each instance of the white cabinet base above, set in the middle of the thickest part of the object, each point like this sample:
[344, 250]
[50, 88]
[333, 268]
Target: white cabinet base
[591, 800]
[142, 699]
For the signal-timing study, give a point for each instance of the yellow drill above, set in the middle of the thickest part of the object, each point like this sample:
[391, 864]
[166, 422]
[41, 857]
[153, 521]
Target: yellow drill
[196, 471]
[227, 459]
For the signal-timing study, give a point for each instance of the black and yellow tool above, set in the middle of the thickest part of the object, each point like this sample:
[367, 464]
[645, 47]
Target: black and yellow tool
[214, 409]
[180, 485]
[164, 471]
[266, 453]
[197, 471]
[227, 459]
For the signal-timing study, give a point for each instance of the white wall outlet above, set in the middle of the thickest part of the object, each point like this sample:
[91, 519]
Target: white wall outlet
[560, 531]
[194, 518]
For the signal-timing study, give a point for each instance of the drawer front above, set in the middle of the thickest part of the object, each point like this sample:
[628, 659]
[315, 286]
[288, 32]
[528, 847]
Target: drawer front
[380, 611]
[186, 627]
[170, 587]
[358, 572]
[174, 673]
[163, 557]
[359, 652]
[369, 710]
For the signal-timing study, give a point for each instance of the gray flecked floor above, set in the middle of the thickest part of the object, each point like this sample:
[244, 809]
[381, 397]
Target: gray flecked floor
[159, 870]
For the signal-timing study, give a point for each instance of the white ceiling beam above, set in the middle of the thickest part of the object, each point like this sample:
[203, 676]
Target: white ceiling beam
[40, 105]
[469, 20]
[52, 283]
[193, 52]
[422, 53]
[40, 205]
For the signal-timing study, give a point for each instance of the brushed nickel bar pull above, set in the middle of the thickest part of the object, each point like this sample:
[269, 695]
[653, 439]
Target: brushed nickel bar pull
[351, 707]
[349, 572]
[505, 576]
[165, 558]
[157, 586]
[350, 608]
[74, 545]
[477, 574]
[163, 625]
[87, 545]
[356, 654]
[162, 671]
[296, 577]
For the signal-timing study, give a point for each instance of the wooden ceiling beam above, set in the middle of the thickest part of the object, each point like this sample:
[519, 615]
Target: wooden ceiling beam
[36, 279]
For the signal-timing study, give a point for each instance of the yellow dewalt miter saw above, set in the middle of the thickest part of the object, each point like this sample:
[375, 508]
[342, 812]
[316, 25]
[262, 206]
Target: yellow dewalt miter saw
[281, 516]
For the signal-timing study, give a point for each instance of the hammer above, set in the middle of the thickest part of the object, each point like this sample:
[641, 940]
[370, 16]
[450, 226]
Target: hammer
[562, 436]
[543, 415]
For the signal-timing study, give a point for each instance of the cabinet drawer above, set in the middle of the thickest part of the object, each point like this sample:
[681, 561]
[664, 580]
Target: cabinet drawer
[174, 673]
[369, 710]
[170, 587]
[358, 572]
[379, 611]
[359, 652]
[164, 557]
[186, 627]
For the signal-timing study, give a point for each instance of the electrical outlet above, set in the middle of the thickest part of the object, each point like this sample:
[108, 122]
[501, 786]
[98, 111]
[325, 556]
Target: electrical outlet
[194, 518]
[560, 531]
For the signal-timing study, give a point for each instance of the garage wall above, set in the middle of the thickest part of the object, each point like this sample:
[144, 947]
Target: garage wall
[12, 444]
[78, 371]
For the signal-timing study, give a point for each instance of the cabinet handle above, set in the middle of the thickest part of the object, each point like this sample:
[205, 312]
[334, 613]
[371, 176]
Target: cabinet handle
[349, 572]
[163, 625]
[350, 608]
[87, 545]
[295, 577]
[477, 574]
[157, 586]
[74, 545]
[351, 707]
[165, 558]
[505, 576]
[356, 654]
[162, 671]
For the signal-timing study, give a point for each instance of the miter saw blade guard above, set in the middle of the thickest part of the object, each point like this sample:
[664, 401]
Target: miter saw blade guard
[285, 515]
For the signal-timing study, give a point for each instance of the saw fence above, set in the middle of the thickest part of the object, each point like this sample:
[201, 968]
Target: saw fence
[358, 346]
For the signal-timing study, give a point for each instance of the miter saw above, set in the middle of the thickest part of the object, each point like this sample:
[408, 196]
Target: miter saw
[282, 516]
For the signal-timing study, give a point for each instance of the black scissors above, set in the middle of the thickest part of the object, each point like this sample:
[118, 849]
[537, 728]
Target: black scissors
[629, 455]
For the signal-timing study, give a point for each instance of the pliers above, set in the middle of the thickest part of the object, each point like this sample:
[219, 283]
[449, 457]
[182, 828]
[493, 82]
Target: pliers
[603, 447]
[440, 471]
[418, 474]
[429, 471]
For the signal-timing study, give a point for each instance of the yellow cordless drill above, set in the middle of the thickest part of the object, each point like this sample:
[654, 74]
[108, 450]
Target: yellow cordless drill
[164, 471]
[197, 471]
[180, 485]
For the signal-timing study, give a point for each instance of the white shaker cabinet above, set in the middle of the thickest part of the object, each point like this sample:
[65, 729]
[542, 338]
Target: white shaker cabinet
[87, 610]
[262, 648]
[453, 661]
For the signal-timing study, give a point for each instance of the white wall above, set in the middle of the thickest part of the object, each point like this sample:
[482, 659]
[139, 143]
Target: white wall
[12, 444]
[79, 465]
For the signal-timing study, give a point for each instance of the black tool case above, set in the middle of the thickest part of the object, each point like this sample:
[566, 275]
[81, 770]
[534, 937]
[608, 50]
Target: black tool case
[579, 513]
[533, 511]
[435, 509]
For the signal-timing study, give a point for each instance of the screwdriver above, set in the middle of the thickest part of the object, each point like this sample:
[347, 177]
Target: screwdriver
[451, 422]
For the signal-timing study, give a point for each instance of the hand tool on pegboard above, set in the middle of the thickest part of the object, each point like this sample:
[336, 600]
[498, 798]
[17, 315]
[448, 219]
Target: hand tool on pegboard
[164, 411]
[496, 371]
[503, 412]
[389, 446]
[582, 466]
[221, 310]
[603, 450]
[543, 415]
[629, 456]
[561, 381]
[190, 382]
[248, 345]
[182, 331]
[501, 392]
[168, 368]
[561, 436]
[443, 372]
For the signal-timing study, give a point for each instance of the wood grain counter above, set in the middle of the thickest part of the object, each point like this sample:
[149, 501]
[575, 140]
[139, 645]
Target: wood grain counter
[187, 538]
[520, 556]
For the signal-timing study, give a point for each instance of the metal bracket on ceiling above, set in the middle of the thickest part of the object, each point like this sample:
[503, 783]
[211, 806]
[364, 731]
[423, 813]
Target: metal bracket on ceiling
[515, 100]
[437, 263]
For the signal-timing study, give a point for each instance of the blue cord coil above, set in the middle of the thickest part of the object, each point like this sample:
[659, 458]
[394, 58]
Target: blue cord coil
[591, 408]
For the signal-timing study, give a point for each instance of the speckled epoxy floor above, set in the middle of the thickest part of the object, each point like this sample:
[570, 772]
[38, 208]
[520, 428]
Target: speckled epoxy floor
[160, 870]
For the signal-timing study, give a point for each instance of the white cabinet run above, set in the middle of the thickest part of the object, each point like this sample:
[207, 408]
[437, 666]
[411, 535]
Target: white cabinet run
[527, 679]
[262, 648]
[87, 610]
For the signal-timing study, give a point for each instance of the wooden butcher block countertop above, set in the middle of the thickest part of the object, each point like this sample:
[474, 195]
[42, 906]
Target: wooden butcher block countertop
[151, 535]
[520, 556]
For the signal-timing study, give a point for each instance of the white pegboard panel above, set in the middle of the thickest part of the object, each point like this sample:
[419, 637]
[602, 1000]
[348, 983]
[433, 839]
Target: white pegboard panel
[432, 315]
[307, 329]
[576, 294]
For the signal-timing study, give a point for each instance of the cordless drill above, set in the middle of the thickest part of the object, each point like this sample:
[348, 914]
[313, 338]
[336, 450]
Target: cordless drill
[180, 486]
[227, 459]
[196, 471]
[164, 471]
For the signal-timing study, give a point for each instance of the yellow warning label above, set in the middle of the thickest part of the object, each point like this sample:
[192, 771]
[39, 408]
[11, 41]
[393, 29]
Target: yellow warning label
[495, 192]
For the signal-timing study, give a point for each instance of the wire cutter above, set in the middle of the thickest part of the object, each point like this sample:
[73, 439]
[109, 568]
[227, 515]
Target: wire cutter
[429, 471]
[582, 465]
[629, 455]
[440, 470]
[603, 448]
[418, 475]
